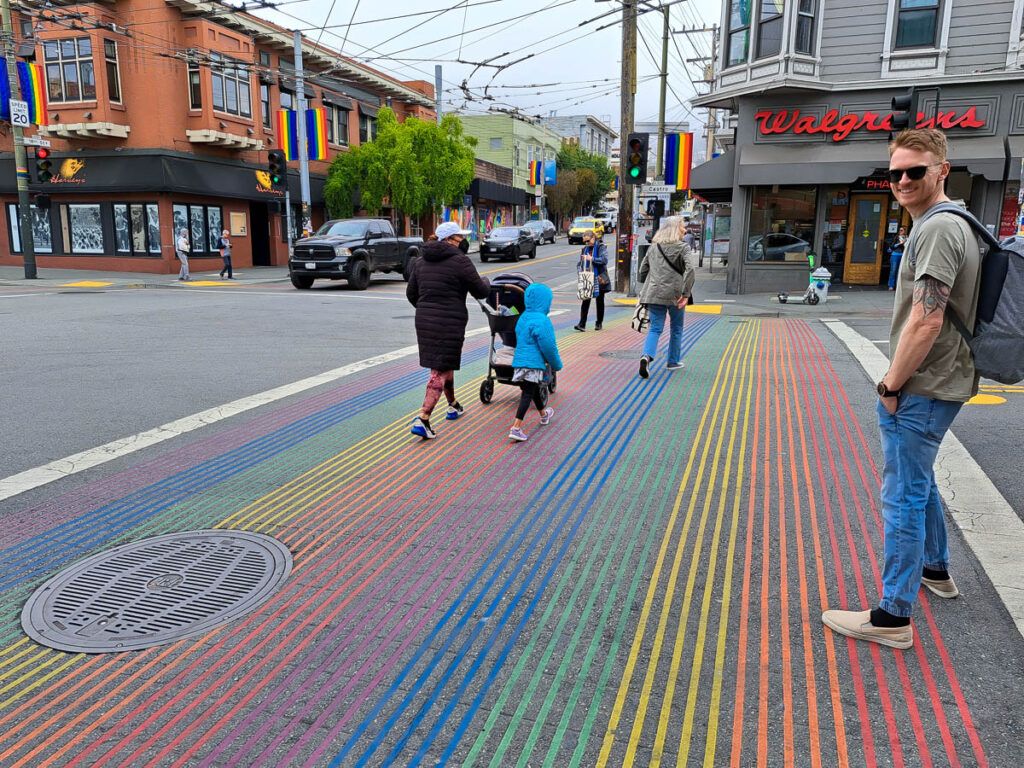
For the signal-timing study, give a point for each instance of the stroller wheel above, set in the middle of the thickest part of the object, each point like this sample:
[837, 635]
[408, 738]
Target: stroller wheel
[544, 389]
[553, 384]
[486, 390]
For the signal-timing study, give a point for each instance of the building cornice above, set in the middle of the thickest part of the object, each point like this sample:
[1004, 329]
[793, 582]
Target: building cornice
[726, 98]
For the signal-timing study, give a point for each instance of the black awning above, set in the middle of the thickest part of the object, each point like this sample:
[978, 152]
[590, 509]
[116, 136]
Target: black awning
[713, 180]
[498, 193]
[290, 84]
[338, 101]
[367, 111]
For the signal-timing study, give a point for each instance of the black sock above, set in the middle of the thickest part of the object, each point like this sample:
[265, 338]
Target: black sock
[928, 573]
[882, 618]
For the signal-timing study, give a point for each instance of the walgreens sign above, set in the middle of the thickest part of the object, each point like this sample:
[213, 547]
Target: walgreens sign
[791, 121]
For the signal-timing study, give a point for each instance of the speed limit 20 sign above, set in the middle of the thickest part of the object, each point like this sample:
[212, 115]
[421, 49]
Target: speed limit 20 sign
[19, 113]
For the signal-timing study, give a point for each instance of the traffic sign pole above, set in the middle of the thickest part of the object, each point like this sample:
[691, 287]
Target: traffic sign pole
[20, 159]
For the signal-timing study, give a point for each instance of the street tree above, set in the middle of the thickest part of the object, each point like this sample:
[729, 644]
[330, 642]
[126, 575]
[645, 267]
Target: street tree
[562, 196]
[571, 157]
[414, 166]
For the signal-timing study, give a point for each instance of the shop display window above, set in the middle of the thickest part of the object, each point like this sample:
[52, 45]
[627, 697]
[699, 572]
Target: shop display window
[42, 234]
[833, 243]
[204, 224]
[781, 224]
[83, 225]
[137, 228]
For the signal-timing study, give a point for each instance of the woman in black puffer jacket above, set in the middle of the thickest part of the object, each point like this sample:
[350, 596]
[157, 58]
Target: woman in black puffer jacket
[440, 280]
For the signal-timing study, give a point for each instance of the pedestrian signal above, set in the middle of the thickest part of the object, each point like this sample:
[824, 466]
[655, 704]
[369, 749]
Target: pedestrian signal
[904, 112]
[656, 207]
[44, 165]
[43, 202]
[636, 158]
[276, 167]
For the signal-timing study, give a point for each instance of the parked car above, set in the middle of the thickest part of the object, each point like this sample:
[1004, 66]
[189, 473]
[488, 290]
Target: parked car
[607, 220]
[583, 224]
[542, 230]
[508, 243]
[352, 250]
[774, 247]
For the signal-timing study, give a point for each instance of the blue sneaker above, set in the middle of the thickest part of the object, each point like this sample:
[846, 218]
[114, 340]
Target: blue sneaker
[454, 411]
[422, 429]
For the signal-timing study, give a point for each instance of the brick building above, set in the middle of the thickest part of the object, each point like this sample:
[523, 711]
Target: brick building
[161, 115]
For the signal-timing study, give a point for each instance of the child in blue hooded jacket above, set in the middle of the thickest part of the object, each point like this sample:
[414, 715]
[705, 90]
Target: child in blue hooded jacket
[535, 348]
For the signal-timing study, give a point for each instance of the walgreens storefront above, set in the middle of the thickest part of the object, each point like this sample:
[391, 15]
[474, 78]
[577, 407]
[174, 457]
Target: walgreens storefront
[808, 176]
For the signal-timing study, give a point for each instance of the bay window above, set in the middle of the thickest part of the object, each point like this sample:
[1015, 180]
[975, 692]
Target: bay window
[769, 28]
[70, 73]
[805, 28]
[917, 22]
[737, 48]
[231, 88]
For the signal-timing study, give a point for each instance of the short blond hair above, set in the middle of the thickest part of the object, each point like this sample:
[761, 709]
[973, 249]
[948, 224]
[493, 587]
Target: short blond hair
[922, 140]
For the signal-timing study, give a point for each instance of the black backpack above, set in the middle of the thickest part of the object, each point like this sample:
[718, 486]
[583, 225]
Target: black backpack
[997, 343]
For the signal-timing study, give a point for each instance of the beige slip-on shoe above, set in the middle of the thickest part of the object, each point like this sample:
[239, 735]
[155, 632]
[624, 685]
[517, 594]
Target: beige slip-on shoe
[941, 587]
[857, 624]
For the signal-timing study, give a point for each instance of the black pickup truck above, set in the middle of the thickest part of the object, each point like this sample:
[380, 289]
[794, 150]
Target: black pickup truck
[352, 249]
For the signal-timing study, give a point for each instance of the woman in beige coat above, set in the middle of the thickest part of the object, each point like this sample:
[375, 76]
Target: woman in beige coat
[667, 274]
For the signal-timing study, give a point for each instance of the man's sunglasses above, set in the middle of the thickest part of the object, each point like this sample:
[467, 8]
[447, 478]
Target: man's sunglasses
[914, 174]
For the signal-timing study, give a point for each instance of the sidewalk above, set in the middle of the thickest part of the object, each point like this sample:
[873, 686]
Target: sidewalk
[14, 277]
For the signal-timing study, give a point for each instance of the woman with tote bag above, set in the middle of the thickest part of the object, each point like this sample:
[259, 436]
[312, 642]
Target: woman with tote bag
[593, 280]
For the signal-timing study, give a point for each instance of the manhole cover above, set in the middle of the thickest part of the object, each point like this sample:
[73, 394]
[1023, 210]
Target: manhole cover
[156, 591]
[621, 354]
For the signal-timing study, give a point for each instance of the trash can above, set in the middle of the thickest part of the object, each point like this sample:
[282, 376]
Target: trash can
[821, 279]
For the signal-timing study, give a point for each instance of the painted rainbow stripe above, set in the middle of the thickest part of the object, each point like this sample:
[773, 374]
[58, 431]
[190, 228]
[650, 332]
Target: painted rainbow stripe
[316, 133]
[288, 133]
[33, 91]
[678, 159]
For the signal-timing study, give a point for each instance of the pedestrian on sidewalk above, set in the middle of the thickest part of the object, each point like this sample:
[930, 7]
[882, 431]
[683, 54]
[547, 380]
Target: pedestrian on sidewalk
[895, 255]
[536, 350]
[594, 258]
[225, 254]
[667, 274]
[440, 280]
[181, 251]
[930, 376]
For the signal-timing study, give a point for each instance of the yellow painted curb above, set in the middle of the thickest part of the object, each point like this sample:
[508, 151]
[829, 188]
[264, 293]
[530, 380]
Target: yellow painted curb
[84, 284]
[986, 400]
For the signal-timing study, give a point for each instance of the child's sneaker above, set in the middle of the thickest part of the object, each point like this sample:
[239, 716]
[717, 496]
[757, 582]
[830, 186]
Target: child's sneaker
[422, 429]
[454, 411]
[545, 416]
[517, 434]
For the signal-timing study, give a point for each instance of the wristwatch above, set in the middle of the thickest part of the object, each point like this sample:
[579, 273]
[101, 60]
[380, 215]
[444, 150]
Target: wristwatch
[884, 391]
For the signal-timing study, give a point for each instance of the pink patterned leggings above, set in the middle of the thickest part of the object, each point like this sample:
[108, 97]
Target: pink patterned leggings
[440, 381]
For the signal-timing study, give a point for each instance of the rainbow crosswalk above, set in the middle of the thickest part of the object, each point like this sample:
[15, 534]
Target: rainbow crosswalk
[638, 584]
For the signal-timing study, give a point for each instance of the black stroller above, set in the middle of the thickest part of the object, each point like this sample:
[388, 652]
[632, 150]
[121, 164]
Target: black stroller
[508, 292]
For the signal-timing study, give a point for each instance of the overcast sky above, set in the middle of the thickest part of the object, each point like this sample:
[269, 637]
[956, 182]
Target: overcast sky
[572, 69]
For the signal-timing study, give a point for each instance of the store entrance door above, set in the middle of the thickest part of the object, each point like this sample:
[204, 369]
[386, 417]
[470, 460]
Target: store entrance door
[864, 239]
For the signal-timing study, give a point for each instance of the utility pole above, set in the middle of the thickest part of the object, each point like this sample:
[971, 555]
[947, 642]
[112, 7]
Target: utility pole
[300, 104]
[28, 248]
[712, 112]
[659, 170]
[438, 91]
[624, 247]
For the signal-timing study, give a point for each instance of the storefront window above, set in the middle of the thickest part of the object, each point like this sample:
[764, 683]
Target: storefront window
[137, 228]
[781, 224]
[769, 30]
[84, 227]
[42, 237]
[916, 23]
[739, 32]
[215, 225]
[833, 244]
[204, 225]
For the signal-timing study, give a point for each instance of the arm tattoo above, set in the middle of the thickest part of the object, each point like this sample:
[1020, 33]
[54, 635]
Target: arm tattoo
[931, 294]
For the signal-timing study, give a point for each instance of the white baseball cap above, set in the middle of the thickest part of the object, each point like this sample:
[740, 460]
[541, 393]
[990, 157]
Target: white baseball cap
[447, 229]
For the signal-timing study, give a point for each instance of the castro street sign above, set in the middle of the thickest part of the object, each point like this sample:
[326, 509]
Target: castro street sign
[791, 121]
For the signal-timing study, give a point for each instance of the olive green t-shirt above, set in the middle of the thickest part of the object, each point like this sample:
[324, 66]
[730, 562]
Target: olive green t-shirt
[945, 248]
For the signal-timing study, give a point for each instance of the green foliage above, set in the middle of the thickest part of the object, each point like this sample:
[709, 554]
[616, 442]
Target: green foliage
[415, 166]
[572, 158]
[563, 195]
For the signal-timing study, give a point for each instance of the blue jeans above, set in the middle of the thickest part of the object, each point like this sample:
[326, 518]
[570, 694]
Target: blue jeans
[915, 529]
[675, 339]
[894, 268]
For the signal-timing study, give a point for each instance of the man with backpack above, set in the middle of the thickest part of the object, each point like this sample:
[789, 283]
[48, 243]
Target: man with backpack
[931, 375]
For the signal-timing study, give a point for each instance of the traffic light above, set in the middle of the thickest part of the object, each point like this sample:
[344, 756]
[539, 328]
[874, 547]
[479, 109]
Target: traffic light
[904, 111]
[43, 165]
[636, 158]
[277, 167]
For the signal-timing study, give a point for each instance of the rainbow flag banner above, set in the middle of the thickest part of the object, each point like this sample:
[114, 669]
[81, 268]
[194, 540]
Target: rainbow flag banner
[536, 174]
[316, 133]
[678, 159]
[33, 91]
[288, 133]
